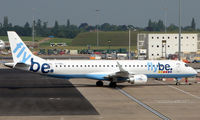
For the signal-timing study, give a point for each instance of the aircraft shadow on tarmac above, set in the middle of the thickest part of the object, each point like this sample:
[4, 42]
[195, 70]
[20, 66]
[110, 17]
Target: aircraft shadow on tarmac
[28, 94]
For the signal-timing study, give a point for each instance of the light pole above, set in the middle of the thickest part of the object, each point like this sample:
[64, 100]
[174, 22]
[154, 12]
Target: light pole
[33, 31]
[179, 48]
[97, 27]
[129, 44]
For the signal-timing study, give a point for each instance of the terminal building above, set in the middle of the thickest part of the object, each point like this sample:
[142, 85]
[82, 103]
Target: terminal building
[155, 46]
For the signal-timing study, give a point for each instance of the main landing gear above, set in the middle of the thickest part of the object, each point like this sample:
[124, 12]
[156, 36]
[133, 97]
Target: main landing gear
[99, 83]
[113, 84]
[178, 81]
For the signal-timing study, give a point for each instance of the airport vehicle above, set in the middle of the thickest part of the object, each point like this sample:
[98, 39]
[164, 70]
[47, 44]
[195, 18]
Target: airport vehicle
[115, 71]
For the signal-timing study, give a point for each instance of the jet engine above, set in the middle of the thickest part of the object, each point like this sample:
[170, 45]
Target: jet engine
[137, 79]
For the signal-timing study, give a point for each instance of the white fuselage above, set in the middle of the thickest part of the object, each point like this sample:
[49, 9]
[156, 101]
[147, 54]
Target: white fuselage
[99, 69]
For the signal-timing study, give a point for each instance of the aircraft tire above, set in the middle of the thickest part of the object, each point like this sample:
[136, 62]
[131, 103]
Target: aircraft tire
[99, 83]
[113, 84]
[178, 83]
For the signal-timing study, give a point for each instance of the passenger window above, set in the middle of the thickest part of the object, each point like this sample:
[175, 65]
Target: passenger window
[137, 65]
[72, 65]
[81, 66]
[92, 65]
[107, 65]
[64, 65]
[85, 65]
[88, 65]
[76, 65]
[68, 65]
[112, 66]
[104, 66]
[141, 65]
[95, 65]
[125, 65]
[56, 65]
[60, 65]
[133, 65]
[99, 65]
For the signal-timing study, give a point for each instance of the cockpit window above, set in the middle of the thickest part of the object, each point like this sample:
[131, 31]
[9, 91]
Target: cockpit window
[186, 65]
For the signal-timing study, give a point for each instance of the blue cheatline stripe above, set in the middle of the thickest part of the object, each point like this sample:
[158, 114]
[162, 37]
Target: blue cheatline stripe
[90, 76]
[101, 76]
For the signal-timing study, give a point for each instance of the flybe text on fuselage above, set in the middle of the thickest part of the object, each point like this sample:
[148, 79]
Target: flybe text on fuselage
[159, 68]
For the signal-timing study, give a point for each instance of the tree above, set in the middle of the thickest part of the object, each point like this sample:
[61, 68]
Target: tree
[150, 25]
[5, 22]
[193, 24]
[55, 29]
[160, 25]
[68, 22]
[27, 29]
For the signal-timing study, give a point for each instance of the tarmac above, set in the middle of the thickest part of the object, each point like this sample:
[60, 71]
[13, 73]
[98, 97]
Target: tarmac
[28, 96]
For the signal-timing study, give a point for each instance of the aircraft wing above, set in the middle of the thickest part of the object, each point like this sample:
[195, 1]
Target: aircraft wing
[120, 74]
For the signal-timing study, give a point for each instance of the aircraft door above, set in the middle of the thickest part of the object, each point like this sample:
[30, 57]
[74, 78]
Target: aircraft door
[178, 67]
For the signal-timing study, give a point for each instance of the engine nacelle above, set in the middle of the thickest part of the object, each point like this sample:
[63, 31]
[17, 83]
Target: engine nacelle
[137, 79]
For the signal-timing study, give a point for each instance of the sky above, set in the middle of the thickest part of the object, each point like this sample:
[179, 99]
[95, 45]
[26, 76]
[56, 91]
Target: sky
[119, 12]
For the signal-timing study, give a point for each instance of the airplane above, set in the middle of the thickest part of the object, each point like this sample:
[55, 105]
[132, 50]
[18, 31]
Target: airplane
[115, 71]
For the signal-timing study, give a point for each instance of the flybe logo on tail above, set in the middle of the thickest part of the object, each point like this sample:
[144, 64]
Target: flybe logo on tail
[160, 68]
[22, 52]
